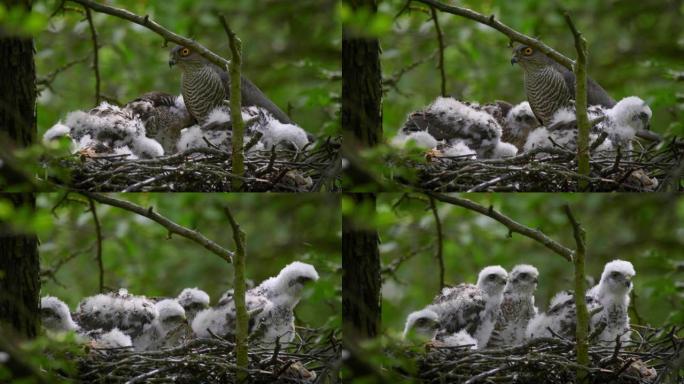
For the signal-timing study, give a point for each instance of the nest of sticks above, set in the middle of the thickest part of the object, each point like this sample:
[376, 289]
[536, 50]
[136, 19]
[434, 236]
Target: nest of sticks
[314, 357]
[657, 167]
[314, 168]
[650, 359]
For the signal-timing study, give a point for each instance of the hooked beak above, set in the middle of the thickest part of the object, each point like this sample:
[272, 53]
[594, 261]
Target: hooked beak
[172, 62]
[514, 60]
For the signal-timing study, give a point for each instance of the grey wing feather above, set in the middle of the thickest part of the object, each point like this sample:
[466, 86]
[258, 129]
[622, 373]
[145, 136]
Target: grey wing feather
[252, 95]
[596, 95]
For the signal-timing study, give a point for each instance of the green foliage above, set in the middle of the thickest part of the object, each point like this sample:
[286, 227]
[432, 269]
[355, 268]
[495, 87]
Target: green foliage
[363, 21]
[645, 230]
[16, 20]
[54, 357]
[289, 50]
[634, 47]
[139, 255]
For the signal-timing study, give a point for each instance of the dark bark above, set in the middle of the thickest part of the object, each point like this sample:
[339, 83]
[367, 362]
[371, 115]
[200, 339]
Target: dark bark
[17, 98]
[361, 301]
[19, 275]
[361, 90]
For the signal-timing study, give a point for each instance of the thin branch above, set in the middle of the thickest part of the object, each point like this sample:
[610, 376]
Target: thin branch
[237, 156]
[582, 326]
[171, 226]
[96, 47]
[239, 298]
[503, 28]
[440, 41]
[152, 25]
[635, 312]
[440, 241]
[392, 81]
[580, 69]
[511, 224]
[47, 80]
[98, 244]
[51, 273]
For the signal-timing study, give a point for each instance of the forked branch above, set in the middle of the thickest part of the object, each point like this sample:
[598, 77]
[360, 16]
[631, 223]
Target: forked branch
[511, 224]
[501, 27]
[171, 226]
[152, 25]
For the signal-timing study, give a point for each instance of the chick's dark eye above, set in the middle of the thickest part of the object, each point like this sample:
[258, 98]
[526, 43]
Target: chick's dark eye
[491, 277]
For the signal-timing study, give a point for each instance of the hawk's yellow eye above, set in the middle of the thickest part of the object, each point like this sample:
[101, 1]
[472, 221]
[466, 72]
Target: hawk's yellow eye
[527, 51]
[184, 52]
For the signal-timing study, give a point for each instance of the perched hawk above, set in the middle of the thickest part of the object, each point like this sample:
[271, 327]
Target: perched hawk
[470, 307]
[55, 315]
[284, 291]
[621, 124]
[517, 307]
[106, 130]
[612, 293]
[129, 313]
[205, 86]
[56, 319]
[550, 86]
[421, 324]
[492, 281]
[454, 122]
[518, 124]
[624, 120]
[424, 325]
[163, 115]
[459, 307]
[193, 300]
[270, 307]
[221, 320]
[560, 320]
[166, 330]
[216, 130]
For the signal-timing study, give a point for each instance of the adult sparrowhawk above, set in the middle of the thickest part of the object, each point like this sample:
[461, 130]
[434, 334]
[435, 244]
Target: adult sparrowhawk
[205, 86]
[550, 86]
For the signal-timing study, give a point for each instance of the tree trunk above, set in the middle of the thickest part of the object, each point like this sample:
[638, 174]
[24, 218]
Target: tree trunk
[19, 264]
[361, 93]
[19, 275]
[361, 302]
[17, 99]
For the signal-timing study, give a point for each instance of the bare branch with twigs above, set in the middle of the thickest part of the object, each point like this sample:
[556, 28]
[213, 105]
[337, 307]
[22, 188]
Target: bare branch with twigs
[501, 27]
[96, 49]
[171, 226]
[512, 225]
[152, 25]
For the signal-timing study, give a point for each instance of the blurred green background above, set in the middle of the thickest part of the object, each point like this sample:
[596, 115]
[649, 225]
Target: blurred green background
[635, 48]
[289, 50]
[139, 255]
[647, 230]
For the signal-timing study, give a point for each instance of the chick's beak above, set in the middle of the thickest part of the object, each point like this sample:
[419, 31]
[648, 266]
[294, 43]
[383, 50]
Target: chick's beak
[172, 62]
